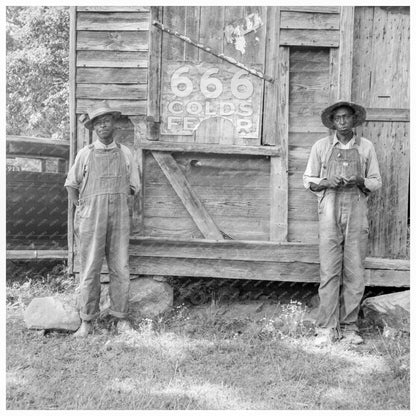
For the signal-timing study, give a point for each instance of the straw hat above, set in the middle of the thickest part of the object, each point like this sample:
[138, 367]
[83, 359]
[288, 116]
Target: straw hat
[359, 112]
[98, 110]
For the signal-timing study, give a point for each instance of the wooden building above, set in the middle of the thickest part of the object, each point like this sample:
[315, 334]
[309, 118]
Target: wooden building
[222, 135]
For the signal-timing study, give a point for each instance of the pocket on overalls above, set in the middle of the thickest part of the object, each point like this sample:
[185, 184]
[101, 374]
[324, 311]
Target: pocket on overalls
[83, 210]
[366, 226]
[321, 202]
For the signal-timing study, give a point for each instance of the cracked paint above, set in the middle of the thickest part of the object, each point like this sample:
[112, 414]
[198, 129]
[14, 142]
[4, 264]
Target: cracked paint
[235, 32]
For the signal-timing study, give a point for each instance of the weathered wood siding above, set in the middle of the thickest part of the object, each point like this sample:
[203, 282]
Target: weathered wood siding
[216, 195]
[111, 62]
[234, 190]
[216, 185]
[208, 26]
[381, 68]
[308, 94]
[380, 82]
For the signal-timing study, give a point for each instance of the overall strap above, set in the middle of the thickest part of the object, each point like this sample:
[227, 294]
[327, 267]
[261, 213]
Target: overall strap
[330, 150]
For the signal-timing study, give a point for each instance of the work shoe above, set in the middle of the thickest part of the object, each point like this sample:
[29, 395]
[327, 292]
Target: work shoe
[351, 337]
[324, 336]
[123, 326]
[83, 330]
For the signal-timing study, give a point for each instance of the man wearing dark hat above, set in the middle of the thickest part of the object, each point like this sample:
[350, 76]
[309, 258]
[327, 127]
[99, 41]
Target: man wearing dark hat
[342, 170]
[99, 183]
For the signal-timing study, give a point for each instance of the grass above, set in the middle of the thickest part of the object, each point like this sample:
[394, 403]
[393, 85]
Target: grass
[253, 356]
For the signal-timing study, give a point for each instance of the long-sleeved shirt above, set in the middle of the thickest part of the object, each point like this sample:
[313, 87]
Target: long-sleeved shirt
[79, 168]
[316, 168]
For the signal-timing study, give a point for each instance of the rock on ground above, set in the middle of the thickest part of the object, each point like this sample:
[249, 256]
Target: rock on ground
[392, 309]
[51, 313]
[148, 297]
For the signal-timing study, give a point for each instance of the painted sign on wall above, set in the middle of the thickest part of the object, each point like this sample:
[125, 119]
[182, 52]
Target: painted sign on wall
[193, 93]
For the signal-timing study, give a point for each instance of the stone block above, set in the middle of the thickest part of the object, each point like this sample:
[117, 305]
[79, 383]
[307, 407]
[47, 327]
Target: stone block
[147, 298]
[392, 310]
[52, 313]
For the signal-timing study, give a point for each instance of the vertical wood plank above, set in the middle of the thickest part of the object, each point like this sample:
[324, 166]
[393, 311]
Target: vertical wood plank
[256, 40]
[270, 119]
[363, 55]
[137, 215]
[187, 195]
[211, 32]
[173, 18]
[72, 83]
[279, 165]
[346, 34]
[192, 22]
[140, 129]
[333, 75]
[72, 125]
[232, 14]
[153, 78]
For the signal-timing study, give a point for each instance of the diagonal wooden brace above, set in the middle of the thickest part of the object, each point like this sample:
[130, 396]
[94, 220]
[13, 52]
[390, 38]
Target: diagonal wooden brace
[209, 50]
[188, 196]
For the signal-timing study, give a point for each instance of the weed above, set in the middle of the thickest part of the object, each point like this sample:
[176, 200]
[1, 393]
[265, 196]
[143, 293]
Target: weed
[395, 347]
[289, 323]
[201, 359]
[38, 280]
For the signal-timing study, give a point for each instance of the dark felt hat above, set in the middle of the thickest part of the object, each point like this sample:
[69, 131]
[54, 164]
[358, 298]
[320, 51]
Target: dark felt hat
[98, 110]
[359, 112]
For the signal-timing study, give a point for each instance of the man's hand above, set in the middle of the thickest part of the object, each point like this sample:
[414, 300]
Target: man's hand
[355, 180]
[332, 182]
[73, 195]
[335, 181]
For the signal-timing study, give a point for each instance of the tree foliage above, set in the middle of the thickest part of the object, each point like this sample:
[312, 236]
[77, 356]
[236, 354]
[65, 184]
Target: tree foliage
[37, 46]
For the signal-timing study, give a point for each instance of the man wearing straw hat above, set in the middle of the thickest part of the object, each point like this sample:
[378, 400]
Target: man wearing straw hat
[99, 183]
[342, 170]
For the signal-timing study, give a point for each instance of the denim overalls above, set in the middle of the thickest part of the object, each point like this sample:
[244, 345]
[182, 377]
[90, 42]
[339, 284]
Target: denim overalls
[343, 234]
[103, 226]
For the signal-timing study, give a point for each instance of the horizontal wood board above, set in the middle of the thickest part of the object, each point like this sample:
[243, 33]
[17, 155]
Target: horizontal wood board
[112, 9]
[130, 21]
[305, 20]
[247, 260]
[127, 107]
[111, 75]
[309, 37]
[112, 40]
[112, 59]
[111, 91]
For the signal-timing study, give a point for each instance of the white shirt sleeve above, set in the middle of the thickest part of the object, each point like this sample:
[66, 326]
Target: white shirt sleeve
[313, 168]
[76, 173]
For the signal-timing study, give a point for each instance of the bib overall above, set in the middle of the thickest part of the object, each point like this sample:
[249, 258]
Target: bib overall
[343, 233]
[103, 227]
